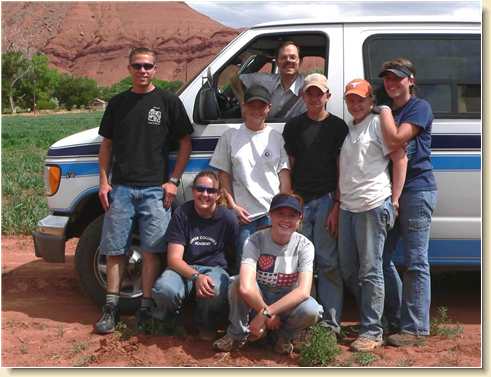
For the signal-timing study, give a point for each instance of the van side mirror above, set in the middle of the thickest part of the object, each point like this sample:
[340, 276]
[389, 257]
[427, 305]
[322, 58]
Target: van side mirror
[207, 103]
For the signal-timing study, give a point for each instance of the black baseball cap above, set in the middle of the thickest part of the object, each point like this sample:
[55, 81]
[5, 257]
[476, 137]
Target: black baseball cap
[283, 200]
[398, 70]
[258, 92]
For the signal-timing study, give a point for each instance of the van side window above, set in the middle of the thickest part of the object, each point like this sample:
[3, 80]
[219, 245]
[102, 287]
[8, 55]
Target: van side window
[260, 56]
[448, 69]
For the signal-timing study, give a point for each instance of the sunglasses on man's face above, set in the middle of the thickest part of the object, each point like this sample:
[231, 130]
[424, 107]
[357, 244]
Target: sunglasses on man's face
[209, 190]
[145, 66]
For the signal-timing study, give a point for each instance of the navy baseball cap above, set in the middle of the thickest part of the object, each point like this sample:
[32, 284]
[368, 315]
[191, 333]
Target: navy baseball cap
[283, 200]
[257, 92]
[398, 70]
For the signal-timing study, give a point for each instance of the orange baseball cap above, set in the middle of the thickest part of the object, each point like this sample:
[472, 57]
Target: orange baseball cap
[359, 87]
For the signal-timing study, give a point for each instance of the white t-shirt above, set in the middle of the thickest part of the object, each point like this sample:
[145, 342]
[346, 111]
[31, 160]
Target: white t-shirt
[364, 180]
[276, 265]
[279, 96]
[254, 160]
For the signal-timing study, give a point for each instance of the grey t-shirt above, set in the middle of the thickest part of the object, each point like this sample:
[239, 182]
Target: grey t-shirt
[364, 180]
[276, 265]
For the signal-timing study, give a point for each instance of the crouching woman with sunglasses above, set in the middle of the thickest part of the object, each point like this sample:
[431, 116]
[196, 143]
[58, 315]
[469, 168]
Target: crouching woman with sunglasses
[272, 291]
[200, 235]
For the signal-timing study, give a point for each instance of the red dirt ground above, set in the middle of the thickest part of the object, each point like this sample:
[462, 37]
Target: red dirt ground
[47, 322]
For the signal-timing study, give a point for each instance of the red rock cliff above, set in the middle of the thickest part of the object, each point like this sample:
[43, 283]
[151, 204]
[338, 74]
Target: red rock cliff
[93, 39]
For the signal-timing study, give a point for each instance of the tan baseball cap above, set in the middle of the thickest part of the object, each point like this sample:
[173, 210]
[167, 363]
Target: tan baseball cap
[316, 79]
[359, 87]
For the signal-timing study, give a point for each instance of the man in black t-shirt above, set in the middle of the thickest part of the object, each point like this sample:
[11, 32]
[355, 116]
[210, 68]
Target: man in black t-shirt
[199, 236]
[313, 141]
[137, 128]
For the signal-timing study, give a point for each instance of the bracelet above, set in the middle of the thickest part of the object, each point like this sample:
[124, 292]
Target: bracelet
[266, 313]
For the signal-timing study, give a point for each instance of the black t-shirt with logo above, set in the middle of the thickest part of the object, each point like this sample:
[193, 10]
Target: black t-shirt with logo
[206, 241]
[315, 146]
[141, 127]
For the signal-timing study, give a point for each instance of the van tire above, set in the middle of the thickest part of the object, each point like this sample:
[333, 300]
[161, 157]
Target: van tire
[86, 260]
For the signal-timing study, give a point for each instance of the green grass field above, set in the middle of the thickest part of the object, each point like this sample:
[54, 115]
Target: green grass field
[25, 142]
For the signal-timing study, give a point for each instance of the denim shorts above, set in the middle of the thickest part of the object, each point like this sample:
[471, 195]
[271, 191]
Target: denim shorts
[131, 207]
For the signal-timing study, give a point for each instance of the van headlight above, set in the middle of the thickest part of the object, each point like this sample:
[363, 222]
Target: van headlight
[52, 178]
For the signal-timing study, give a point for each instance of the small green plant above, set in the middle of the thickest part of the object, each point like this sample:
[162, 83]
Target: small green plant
[162, 328]
[123, 331]
[79, 347]
[84, 360]
[364, 358]
[321, 349]
[405, 362]
[444, 326]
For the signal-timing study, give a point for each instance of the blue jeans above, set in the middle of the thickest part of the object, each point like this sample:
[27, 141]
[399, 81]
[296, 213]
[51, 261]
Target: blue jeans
[361, 244]
[329, 280]
[408, 301]
[305, 314]
[245, 230]
[131, 205]
[171, 290]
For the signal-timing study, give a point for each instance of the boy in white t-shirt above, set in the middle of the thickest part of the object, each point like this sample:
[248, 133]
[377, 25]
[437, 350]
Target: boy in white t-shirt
[369, 205]
[253, 166]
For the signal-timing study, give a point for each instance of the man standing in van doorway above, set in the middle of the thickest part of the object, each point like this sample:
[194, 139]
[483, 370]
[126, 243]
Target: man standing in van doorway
[137, 128]
[285, 86]
[313, 141]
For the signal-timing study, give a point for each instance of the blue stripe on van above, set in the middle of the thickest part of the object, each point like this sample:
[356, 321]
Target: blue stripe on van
[77, 150]
[455, 141]
[208, 144]
[197, 164]
[77, 169]
[456, 162]
[449, 253]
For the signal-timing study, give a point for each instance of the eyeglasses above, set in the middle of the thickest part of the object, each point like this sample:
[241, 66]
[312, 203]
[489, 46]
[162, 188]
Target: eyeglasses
[146, 66]
[209, 190]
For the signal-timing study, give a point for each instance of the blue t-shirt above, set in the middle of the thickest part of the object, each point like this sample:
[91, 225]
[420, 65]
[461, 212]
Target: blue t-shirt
[419, 175]
[205, 241]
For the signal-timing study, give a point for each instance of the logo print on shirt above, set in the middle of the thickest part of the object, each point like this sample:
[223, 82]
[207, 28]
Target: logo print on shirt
[266, 263]
[267, 154]
[154, 116]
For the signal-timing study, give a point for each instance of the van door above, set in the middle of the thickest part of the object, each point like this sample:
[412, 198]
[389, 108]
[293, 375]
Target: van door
[211, 101]
[447, 58]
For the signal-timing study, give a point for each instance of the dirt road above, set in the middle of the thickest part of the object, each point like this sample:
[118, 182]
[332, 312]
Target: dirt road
[47, 321]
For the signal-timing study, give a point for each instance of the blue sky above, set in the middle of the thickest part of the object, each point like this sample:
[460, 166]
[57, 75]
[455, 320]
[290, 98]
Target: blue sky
[247, 13]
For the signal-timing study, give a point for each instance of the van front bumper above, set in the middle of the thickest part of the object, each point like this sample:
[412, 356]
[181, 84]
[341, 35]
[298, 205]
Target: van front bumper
[49, 238]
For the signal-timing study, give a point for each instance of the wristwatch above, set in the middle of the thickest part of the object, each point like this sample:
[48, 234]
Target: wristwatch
[194, 276]
[266, 313]
[175, 181]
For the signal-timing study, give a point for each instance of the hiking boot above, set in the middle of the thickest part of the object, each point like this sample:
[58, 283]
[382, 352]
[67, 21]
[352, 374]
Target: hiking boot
[404, 339]
[144, 319]
[227, 344]
[362, 344]
[109, 319]
[206, 334]
[283, 346]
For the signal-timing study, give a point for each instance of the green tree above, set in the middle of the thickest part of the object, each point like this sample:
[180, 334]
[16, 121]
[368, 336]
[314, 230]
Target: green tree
[15, 67]
[74, 91]
[39, 84]
[108, 92]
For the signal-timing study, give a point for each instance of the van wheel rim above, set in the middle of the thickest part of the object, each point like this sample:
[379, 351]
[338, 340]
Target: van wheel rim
[131, 284]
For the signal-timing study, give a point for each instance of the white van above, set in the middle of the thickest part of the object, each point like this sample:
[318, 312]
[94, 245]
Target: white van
[447, 55]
